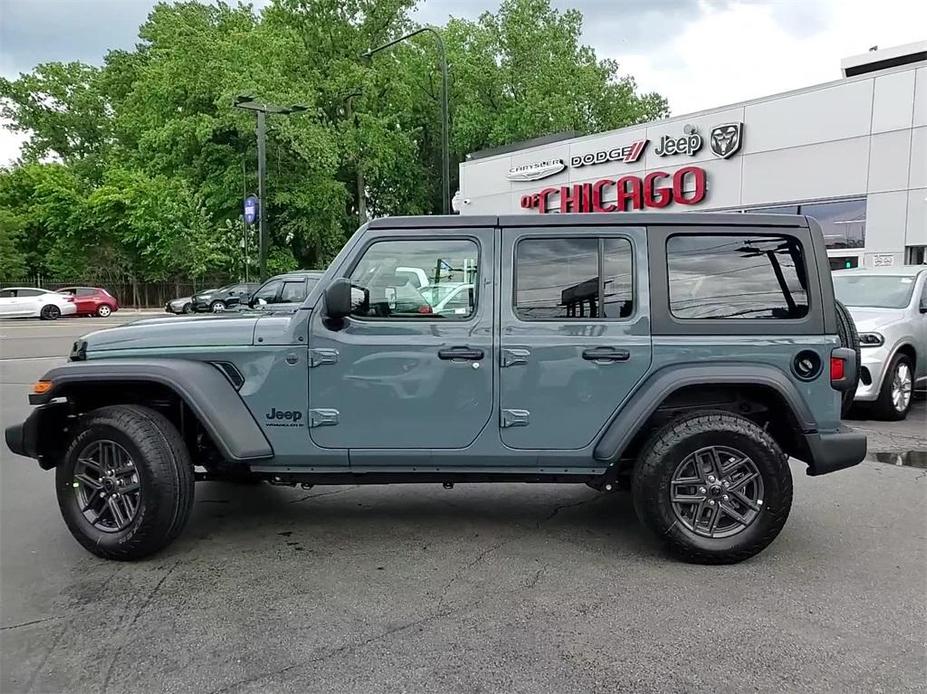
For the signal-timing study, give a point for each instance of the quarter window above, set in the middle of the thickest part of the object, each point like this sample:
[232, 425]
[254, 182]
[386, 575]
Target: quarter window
[736, 277]
[409, 279]
[559, 279]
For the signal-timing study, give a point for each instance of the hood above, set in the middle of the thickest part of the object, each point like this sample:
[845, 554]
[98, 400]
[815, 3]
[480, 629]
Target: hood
[870, 320]
[194, 331]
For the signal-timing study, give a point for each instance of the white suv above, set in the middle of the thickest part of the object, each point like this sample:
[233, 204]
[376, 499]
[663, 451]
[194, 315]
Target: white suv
[889, 306]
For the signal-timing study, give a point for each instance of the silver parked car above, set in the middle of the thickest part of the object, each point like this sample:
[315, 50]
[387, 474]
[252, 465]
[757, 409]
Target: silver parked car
[889, 306]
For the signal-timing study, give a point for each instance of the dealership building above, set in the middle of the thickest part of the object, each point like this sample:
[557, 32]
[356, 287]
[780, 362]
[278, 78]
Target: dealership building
[851, 153]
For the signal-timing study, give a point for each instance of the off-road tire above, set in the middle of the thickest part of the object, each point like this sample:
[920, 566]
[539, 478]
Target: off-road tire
[667, 448]
[849, 337]
[883, 408]
[50, 312]
[165, 472]
[104, 310]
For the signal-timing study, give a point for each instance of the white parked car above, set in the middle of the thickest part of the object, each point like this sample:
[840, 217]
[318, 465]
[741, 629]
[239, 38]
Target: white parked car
[889, 306]
[450, 298]
[29, 302]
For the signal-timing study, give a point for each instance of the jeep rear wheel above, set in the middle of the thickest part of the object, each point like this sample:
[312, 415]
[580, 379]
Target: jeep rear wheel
[125, 484]
[714, 487]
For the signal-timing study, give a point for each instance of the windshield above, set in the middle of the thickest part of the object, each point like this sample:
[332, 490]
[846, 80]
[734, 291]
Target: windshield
[874, 291]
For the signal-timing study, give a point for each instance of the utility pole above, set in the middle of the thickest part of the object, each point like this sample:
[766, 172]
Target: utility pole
[248, 103]
[445, 127]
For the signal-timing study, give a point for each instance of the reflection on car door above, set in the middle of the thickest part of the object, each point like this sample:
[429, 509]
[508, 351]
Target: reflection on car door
[392, 376]
[575, 335]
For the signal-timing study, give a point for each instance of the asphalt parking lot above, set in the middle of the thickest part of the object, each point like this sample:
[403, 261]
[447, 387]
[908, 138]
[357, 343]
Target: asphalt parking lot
[519, 588]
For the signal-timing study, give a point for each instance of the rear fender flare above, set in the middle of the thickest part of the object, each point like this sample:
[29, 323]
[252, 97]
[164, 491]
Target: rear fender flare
[663, 383]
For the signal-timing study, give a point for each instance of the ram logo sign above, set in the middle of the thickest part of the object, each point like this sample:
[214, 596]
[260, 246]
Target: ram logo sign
[536, 171]
[725, 139]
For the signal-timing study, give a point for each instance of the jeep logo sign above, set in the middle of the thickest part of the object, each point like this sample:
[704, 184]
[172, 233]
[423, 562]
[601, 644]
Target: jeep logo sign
[690, 143]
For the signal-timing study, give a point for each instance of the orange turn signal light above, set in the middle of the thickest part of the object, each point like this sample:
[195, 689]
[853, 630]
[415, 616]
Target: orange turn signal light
[41, 387]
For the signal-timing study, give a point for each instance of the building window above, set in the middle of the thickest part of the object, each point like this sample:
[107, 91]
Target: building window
[782, 209]
[843, 222]
[915, 255]
[742, 276]
[558, 279]
[843, 262]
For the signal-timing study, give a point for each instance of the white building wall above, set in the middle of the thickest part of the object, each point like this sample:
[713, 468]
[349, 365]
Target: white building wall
[860, 137]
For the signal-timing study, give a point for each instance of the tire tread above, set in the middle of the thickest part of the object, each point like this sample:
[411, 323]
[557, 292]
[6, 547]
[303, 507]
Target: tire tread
[653, 456]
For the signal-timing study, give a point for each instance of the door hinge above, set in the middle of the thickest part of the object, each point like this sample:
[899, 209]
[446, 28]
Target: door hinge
[318, 357]
[323, 417]
[515, 418]
[513, 356]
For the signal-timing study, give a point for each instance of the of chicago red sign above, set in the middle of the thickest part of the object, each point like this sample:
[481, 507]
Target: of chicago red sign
[686, 186]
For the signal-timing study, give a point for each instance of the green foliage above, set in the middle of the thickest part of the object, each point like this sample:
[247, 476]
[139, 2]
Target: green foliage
[137, 168]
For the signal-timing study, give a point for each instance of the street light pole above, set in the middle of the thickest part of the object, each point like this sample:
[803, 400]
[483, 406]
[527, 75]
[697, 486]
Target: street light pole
[261, 110]
[262, 184]
[445, 148]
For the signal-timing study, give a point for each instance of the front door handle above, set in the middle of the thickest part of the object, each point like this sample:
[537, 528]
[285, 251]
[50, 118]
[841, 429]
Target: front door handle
[468, 353]
[606, 354]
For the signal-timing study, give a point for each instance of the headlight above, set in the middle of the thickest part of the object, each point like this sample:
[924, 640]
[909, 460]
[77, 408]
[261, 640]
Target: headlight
[871, 340]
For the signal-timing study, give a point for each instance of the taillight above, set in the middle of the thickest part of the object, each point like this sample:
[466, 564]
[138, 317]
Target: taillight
[837, 369]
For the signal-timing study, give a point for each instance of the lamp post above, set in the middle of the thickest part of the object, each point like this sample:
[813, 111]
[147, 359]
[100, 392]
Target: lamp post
[445, 152]
[248, 103]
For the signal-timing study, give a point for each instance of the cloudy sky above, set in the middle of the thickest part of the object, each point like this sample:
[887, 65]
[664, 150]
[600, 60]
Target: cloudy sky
[698, 53]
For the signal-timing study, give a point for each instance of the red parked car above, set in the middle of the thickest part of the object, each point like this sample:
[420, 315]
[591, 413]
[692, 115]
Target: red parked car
[92, 301]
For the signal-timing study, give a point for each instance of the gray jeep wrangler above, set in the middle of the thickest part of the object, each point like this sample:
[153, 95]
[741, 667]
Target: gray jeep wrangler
[684, 356]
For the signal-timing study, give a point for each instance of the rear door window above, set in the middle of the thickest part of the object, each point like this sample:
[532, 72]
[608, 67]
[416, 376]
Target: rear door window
[558, 279]
[737, 276]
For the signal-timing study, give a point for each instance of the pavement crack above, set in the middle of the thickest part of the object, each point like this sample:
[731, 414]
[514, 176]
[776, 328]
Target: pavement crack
[316, 496]
[347, 648]
[533, 581]
[41, 665]
[453, 579]
[558, 509]
[147, 601]
[29, 623]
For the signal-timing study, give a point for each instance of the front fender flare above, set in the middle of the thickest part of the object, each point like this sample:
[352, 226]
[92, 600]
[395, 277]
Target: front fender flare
[204, 389]
[647, 398]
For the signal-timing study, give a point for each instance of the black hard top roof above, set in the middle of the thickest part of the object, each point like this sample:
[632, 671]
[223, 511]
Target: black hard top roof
[714, 219]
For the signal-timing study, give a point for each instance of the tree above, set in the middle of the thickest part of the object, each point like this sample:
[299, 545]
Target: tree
[138, 167]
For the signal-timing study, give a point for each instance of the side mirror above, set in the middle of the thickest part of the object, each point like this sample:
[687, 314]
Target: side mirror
[338, 298]
[924, 303]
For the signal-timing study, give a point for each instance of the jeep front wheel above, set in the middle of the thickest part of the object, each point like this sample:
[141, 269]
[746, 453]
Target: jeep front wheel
[714, 487]
[125, 484]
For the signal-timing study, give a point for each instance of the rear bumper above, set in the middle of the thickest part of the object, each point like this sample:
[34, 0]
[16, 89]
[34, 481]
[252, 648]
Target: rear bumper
[832, 451]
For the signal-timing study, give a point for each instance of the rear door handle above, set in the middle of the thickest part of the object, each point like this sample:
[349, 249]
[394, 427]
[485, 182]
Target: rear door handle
[461, 353]
[604, 354]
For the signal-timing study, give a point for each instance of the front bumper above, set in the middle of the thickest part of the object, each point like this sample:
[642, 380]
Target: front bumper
[832, 451]
[42, 436]
[874, 360]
